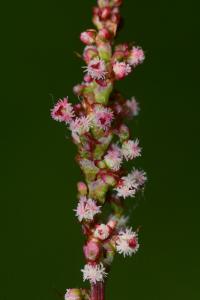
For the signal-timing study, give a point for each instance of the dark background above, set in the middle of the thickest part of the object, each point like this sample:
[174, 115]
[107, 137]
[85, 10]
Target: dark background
[41, 239]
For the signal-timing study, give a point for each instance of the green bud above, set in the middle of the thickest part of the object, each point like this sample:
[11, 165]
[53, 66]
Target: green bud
[89, 169]
[103, 145]
[98, 190]
[105, 51]
[102, 94]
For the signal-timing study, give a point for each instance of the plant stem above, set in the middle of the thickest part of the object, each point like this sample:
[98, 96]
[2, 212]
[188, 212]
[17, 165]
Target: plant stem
[97, 291]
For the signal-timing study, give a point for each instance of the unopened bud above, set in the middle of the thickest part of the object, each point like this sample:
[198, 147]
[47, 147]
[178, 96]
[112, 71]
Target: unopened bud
[105, 13]
[89, 53]
[124, 133]
[104, 34]
[88, 37]
[82, 188]
[91, 250]
[105, 51]
[73, 294]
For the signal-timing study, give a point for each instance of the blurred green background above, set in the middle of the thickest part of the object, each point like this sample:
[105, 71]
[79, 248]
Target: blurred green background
[41, 238]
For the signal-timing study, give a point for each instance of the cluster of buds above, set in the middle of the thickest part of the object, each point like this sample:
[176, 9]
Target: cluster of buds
[98, 125]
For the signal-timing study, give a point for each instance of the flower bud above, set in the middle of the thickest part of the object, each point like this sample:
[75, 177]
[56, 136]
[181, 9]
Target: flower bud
[88, 37]
[82, 188]
[104, 34]
[98, 190]
[89, 53]
[91, 250]
[87, 78]
[105, 51]
[102, 94]
[73, 294]
[124, 133]
[102, 232]
[105, 13]
[89, 169]
[109, 179]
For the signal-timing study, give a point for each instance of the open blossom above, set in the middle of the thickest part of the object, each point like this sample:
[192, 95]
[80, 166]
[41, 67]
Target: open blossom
[87, 209]
[80, 126]
[136, 56]
[127, 242]
[133, 107]
[63, 111]
[102, 116]
[94, 273]
[121, 69]
[127, 186]
[102, 232]
[139, 177]
[96, 68]
[73, 294]
[113, 158]
[124, 191]
[131, 149]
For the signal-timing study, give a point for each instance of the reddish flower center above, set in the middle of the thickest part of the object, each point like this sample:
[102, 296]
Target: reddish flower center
[60, 111]
[132, 243]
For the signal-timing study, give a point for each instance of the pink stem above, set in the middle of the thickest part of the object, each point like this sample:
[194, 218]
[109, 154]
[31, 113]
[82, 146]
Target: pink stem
[97, 291]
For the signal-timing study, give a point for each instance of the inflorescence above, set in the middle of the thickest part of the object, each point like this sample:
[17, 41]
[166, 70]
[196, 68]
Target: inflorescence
[98, 125]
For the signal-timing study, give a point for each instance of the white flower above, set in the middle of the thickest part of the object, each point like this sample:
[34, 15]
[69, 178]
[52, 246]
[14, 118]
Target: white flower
[87, 209]
[102, 232]
[127, 242]
[133, 107]
[80, 126]
[114, 158]
[124, 191]
[96, 68]
[102, 116]
[139, 177]
[127, 186]
[94, 273]
[131, 149]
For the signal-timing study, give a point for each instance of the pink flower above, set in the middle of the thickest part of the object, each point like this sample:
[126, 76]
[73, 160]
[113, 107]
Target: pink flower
[127, 186]
[124, 191]
[131, 149]
[127, 242]
[96, 68]
[91, 250]
[88, 37]
[63, 111]
[80, 126]
[139, 177]
[102, 116]
[87, 209]
[133, 107]
[94, 273]
[121, 69]
[136, 56]
[113, 158]
[102, 232]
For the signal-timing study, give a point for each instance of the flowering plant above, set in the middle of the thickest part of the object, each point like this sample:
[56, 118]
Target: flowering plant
[98, 127]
